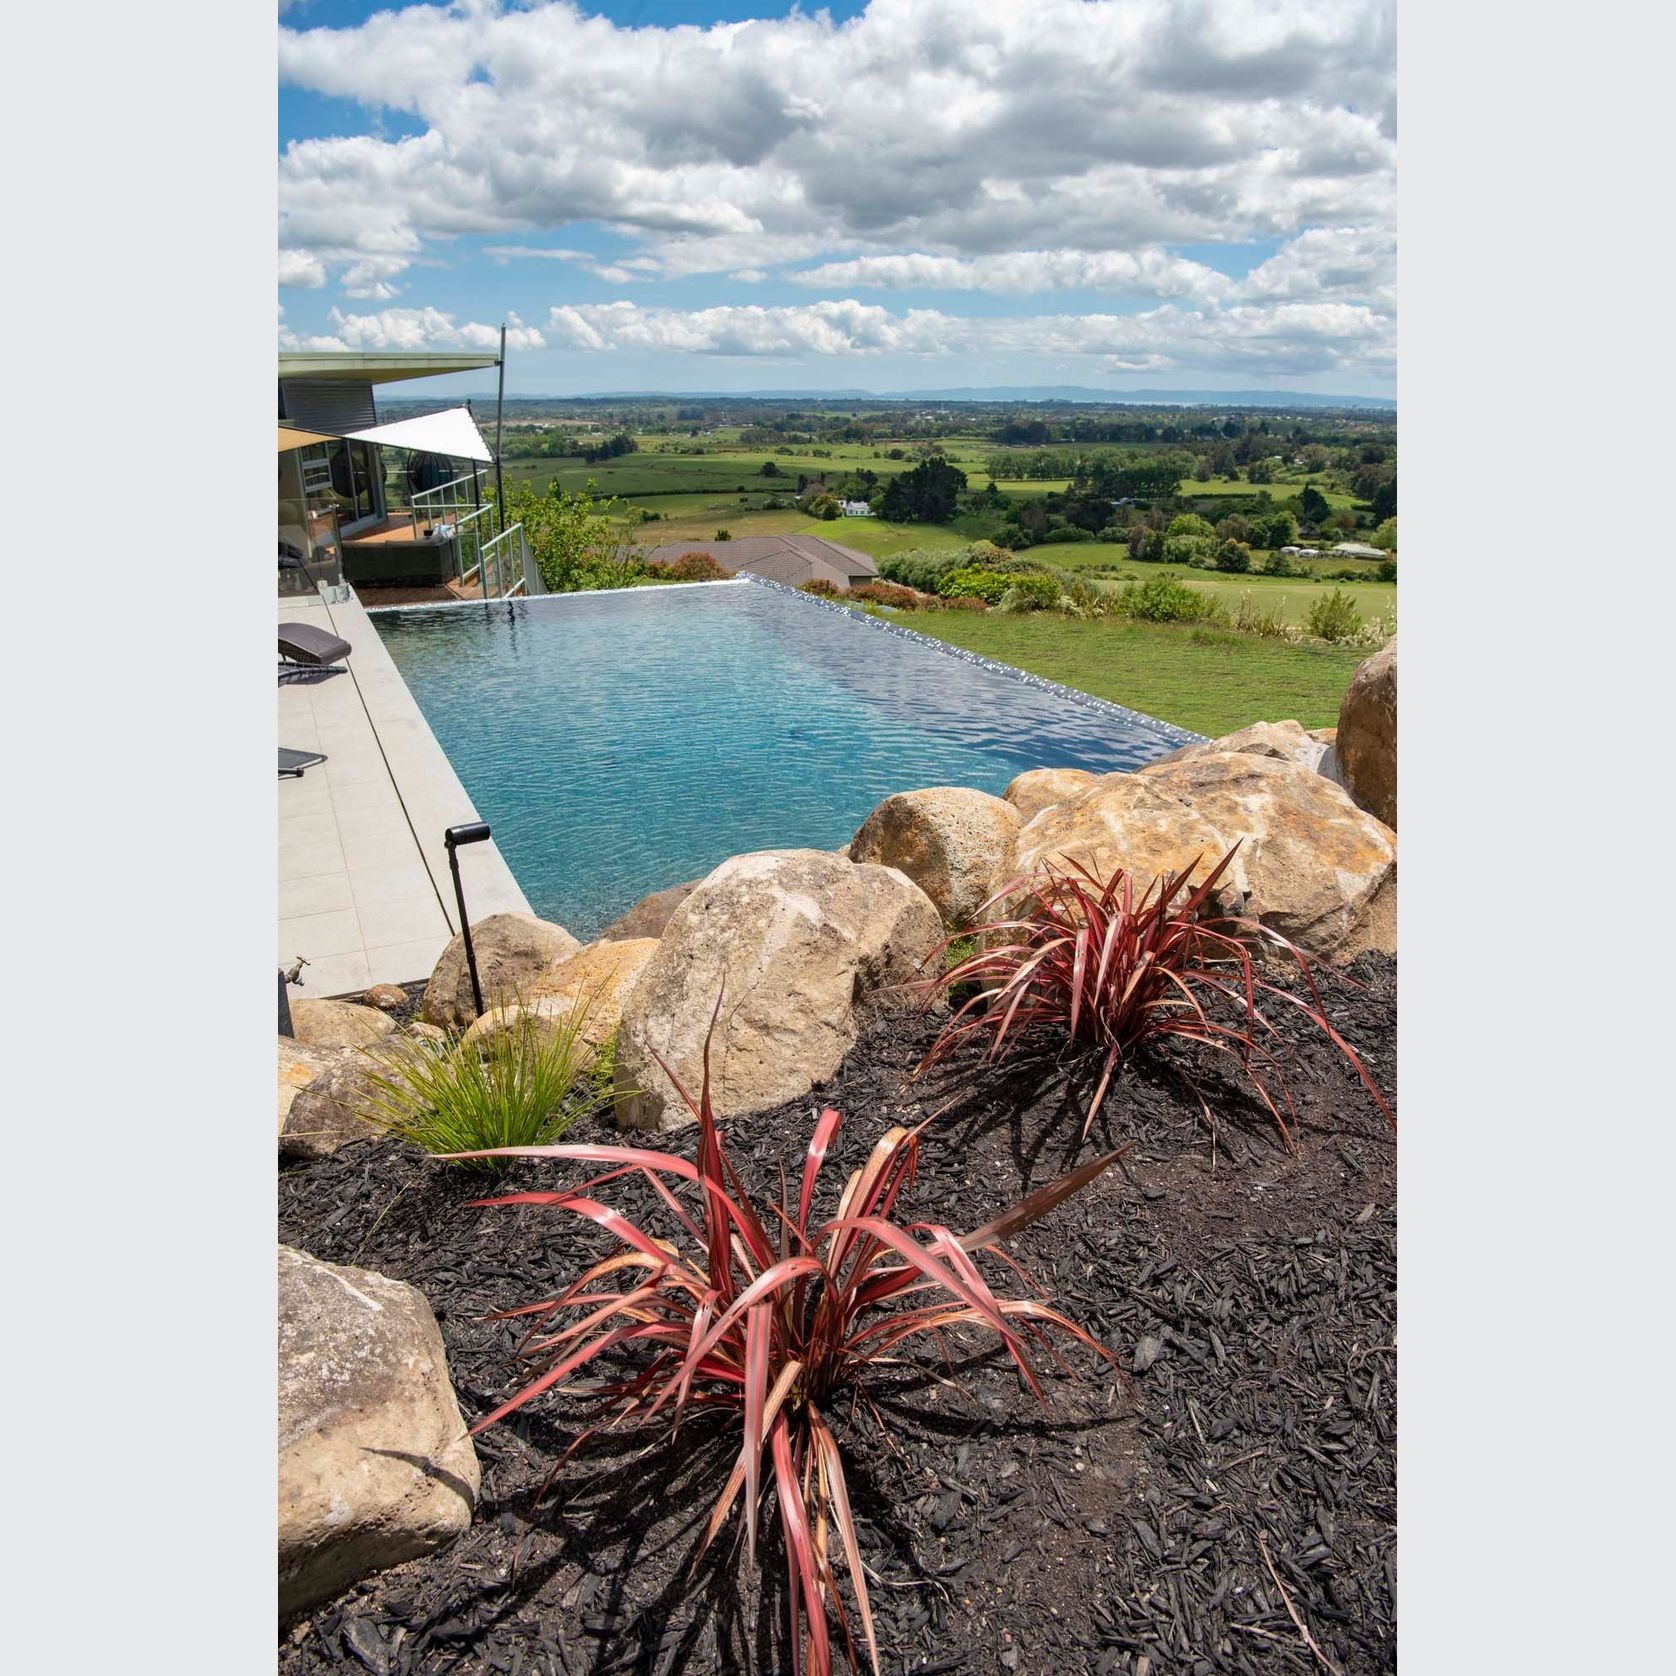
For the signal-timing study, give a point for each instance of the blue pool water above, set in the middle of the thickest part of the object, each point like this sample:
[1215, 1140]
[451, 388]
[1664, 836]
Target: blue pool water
[619, 743]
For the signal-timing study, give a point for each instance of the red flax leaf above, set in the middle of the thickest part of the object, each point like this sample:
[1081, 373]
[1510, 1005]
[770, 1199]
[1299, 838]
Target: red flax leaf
[717, 1318]
[1159, 959]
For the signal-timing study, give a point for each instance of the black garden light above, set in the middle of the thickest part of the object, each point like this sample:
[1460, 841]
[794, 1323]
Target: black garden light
[472, 832]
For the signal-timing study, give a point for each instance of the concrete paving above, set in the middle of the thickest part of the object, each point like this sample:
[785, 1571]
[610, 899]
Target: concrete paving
[365, 893]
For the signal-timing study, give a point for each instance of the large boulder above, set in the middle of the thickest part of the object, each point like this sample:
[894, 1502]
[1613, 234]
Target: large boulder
[1366, 747]
[513, 951]
[323, 1113]
[339, 1023]
[374, 1466]
[602, 974]
[804, 949]
[1284, 741]
[650, 914]
[1040, 788]
[1310, 865]
[958, 845]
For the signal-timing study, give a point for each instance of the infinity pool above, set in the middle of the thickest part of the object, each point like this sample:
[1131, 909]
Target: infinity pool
[621, 742]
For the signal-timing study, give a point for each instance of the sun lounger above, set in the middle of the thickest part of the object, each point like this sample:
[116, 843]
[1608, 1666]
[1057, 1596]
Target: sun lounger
[292, 763]
[314, 648]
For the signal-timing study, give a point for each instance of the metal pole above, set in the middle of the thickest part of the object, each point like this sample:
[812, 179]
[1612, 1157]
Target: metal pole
[465, 930]
[500, 403]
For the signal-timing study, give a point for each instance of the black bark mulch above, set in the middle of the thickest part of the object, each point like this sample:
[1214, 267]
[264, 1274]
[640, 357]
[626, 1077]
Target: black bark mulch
[1236, 1507]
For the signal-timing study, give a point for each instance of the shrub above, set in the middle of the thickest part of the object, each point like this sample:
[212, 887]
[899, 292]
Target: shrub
[1234, 557]
[963, 602]
[1076, 956]
[821, 588]
[1334, 617]
[1388, 570]
[524, 1086]
[888, 593]
[690, 567]
[770, 1316]
[987, 585]
[724, 535]
[1195, 550]
[1165, 599]
[1191, 524]
[1252, 618]
[1280, 564]
[1031, 593]
[824, 506]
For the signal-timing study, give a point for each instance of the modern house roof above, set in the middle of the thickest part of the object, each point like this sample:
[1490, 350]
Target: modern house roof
[381, 367]
[792, 559]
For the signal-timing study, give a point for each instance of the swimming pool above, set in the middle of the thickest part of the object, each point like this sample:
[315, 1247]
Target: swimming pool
[621, 742]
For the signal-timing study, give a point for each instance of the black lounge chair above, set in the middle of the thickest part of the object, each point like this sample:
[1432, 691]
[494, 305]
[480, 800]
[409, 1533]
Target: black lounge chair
[302, 647]
[292, 763]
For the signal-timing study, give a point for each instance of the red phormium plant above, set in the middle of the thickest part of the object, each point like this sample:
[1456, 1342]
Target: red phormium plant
[1083, 957]
[769, 1317]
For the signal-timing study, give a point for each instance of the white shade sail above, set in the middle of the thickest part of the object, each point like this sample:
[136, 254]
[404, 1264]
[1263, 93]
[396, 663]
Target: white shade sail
[452, 432]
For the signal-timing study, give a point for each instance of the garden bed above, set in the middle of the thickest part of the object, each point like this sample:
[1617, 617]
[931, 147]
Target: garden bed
[1234, 1507]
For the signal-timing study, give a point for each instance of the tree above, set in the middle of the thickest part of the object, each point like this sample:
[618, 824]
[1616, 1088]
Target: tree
[1233, 556]
[1312, 505]
[1235, 527]
[824, 506]
[770, 469]
[1386, 535]
[928, 494]
[1260, 471]
[1385, 502]
[569, 531]
[1190, 523]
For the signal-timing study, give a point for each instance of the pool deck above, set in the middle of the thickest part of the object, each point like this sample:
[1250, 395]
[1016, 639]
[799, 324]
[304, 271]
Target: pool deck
[365, 892]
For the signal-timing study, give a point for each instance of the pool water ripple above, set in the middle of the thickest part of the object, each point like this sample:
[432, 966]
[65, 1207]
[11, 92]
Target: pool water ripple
[619, 743]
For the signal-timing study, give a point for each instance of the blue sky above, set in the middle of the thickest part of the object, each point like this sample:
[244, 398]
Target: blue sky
[1111, 193]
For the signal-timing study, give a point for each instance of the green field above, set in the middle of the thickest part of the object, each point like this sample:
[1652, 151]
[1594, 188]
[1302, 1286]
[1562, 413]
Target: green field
[1208, 681]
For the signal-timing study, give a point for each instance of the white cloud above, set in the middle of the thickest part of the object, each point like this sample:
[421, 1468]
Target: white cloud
[415, 329]
[967, 130]
[1293, 338]
[301, 269]
[1020, 272]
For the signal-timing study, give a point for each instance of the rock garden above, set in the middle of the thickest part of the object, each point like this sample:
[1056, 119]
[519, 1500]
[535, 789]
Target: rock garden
[973, 1250]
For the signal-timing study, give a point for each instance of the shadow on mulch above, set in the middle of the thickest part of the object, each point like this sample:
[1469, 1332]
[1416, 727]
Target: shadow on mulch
[1246, 1486]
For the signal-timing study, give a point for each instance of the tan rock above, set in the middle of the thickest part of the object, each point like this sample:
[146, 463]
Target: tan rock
[1040, 788]
[1366, 746]
[386, 996]
[326, 1113]
[1285, 741]
[1311, 864]
[299, 1065]
[650, 914]
[339, 1023]
[513, 951]
[804, 948]
[420, 1031]
[601, 975]
[958, 845]
[374, 1466]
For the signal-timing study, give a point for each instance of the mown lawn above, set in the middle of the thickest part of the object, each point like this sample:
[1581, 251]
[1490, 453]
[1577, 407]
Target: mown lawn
[1207, 680]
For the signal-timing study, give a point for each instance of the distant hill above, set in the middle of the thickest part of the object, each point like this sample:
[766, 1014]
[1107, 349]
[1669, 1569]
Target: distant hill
[1006, 393]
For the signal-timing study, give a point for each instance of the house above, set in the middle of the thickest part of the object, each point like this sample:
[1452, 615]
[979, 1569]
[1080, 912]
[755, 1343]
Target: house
[371, 503]
[1359, 550]
[855, 508]
[792, 559]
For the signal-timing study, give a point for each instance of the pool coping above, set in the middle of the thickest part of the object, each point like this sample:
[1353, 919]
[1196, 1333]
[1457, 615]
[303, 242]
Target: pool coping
[1167, 731]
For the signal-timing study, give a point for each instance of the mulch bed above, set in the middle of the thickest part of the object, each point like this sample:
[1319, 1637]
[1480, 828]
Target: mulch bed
[1234, 1512]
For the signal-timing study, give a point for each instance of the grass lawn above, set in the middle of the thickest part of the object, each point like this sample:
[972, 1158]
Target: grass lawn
[1208, 681]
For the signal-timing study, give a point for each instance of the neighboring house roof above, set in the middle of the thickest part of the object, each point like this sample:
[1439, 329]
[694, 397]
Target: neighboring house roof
[792, 559]
[1358, 550]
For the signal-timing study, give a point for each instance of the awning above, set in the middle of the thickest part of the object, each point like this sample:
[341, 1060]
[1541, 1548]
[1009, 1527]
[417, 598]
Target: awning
[451, 432]
[291, 437]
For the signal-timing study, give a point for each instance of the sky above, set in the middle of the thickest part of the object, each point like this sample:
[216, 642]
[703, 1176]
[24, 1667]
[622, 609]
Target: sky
[907, 194]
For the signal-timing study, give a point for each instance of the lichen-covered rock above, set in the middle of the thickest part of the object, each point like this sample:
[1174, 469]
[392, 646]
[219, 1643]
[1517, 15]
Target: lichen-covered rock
[1311, 865]
[650, 914]
[1366, 747]
[958, 845]
[802, 947]
[513, 952]
[1040, 788]
[325, 1113]
[602, 974]
[374, 1466]
[339, 1023]
[1285, 741]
